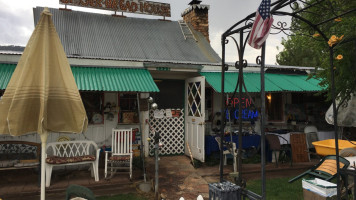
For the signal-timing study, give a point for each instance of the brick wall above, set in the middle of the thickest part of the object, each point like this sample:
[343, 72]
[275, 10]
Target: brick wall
[199, 19]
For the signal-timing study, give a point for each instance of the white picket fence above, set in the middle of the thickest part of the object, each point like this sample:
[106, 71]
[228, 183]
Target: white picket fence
[198, 198]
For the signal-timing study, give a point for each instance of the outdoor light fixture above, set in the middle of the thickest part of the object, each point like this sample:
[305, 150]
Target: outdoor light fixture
[150, 100]
[269, 97]
[154, 106]
[156, 138]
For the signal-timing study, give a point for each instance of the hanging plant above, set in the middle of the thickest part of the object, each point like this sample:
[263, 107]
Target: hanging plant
[339, 19]
[334, 40]
[339, 57]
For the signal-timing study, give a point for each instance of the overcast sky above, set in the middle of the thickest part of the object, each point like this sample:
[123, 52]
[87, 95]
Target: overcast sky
[17, 24]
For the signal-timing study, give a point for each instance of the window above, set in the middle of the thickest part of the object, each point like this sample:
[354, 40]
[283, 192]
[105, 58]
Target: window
[274, 106]
[93, 104]
[128, 108]
[171, 94]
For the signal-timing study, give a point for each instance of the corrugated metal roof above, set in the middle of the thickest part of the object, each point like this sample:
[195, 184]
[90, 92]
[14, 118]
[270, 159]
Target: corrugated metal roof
[90, 35]
[273, 82]
[99, 79]
[294, 82]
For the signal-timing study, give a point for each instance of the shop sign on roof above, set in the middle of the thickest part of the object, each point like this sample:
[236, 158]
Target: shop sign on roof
[131, 6]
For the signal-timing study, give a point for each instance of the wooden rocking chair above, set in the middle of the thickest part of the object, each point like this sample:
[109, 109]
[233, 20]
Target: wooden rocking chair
[121, 152]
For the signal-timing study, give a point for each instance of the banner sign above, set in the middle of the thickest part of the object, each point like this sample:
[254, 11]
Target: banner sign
[131, 6]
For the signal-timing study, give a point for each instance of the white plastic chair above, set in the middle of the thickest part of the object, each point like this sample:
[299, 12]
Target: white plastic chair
[121, 152]
[311, 133]
[226, 152]
[310, 129]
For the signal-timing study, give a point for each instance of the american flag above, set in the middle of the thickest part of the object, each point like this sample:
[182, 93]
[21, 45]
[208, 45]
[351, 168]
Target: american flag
[261, 26]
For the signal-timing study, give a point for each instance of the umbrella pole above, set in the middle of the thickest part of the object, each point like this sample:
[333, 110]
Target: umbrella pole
[44, 137]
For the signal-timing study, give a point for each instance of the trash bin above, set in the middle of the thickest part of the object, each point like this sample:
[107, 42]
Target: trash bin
[318, 189]
[224, 191]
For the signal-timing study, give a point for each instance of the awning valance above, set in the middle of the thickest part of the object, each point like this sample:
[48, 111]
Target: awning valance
[99, 78]
[273, 82]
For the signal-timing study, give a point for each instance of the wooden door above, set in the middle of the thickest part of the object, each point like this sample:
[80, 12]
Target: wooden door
[299, 147]
[195, 116]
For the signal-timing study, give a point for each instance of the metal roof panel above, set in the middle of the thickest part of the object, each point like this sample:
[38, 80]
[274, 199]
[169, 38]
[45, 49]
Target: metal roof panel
[103, 36]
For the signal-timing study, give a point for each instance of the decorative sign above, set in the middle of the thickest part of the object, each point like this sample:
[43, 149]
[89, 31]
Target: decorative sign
[158, 114]
[168, 113]
[248, 113]
[131, 6]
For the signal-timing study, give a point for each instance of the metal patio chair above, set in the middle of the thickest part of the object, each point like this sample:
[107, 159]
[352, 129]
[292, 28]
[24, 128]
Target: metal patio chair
[120, 156]
[275, 146]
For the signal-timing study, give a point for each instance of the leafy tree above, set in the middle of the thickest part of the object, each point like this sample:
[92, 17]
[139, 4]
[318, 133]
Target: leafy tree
[308, 47]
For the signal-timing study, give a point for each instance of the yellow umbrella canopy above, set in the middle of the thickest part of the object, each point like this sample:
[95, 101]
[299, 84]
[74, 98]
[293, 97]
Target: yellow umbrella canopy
[42, 95]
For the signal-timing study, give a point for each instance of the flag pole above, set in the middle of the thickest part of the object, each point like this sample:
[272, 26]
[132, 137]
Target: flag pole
[262, 114]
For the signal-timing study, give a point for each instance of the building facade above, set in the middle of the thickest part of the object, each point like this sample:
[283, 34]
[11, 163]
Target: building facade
[118, 62]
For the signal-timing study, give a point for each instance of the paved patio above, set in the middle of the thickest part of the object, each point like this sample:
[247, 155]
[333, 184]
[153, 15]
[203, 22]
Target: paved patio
[177, 178]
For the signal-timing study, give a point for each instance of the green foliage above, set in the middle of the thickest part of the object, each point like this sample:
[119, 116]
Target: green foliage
[302, 49]
[278, 188]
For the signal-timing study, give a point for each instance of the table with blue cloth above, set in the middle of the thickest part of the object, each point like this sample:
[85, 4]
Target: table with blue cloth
[247, 141]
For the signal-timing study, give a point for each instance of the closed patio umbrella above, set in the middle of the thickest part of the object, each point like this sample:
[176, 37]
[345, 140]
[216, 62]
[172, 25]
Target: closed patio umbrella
[346, 115]
[42, 95]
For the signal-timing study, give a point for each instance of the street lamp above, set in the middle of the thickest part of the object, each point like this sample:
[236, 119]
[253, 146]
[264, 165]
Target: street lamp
[156, 138]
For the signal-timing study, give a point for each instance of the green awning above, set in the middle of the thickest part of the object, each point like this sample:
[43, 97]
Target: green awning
[273, 82]
[99, 78]
[6, 71]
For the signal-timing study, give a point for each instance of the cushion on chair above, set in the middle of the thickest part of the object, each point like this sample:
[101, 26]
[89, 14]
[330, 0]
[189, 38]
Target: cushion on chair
[62, 160]
[119, 158]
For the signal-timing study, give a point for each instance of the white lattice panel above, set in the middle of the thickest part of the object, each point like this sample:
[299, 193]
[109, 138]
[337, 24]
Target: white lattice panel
[171, 130]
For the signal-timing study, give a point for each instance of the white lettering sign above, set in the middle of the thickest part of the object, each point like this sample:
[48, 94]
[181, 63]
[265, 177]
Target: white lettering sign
[131, 6]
